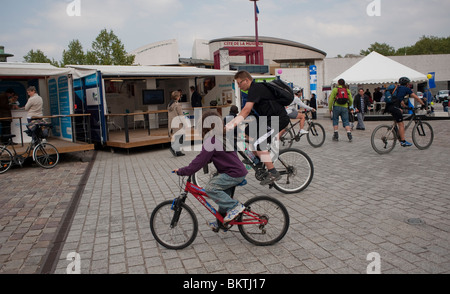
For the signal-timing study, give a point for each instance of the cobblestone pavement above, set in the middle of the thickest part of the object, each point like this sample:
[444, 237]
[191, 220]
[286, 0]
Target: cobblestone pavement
[358, 203]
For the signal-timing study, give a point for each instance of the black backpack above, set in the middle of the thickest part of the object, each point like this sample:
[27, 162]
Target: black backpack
[281, 91]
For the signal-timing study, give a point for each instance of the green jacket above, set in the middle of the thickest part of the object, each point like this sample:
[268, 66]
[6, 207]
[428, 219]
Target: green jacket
[331, 103]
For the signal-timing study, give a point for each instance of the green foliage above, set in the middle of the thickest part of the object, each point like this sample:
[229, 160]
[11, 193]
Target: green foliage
[107, 49]
[426, 45]
[38, 57]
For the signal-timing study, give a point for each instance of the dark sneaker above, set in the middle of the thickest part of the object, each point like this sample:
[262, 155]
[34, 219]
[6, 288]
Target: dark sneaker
[405, 144]
[271, 178]
[350, 137]
[336, 137]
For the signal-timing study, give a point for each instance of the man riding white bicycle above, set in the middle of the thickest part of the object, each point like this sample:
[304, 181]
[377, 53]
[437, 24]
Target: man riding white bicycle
[293, 112]
[395, 107]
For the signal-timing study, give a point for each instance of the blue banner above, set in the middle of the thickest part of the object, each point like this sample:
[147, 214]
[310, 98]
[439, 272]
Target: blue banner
[313, 79]
[64, 107]
[432, 81]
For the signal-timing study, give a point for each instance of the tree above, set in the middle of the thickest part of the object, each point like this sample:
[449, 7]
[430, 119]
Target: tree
[107, 49]
[383, 49]
[38, 57]
[427, 45]
[74, 55]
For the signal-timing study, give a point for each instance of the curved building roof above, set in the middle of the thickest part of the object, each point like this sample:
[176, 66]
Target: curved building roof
[271, 40]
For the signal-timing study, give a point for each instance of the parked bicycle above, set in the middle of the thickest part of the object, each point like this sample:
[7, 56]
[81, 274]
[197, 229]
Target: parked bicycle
[44, 154]
[174, 225]
[316, 134]
[384, 137]
[295, 167]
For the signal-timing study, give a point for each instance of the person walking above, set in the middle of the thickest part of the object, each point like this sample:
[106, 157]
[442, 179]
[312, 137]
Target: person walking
[361, 104]
[176, 118]
[340, 100]
[313, 104]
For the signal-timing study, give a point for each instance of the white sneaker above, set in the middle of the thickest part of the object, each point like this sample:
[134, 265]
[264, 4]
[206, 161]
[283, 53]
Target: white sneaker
[303, 132]
[232, 214]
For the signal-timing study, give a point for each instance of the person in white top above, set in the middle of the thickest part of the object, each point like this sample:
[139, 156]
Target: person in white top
[293, 112]
[34, 104]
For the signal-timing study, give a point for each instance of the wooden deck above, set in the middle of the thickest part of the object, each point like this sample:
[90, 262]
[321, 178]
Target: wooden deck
[61, 145]
[141, 138]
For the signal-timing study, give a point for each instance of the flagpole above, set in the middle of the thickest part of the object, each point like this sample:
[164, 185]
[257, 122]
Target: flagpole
[256, 22]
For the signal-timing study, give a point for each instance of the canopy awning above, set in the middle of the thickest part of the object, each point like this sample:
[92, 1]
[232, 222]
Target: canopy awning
[378, 69]
[152, 71]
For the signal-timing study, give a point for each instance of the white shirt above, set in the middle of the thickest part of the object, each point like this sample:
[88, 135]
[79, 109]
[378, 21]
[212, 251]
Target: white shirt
[295, 103]
[34, 106]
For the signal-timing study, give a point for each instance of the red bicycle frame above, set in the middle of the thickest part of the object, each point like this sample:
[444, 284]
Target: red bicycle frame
[251, 218]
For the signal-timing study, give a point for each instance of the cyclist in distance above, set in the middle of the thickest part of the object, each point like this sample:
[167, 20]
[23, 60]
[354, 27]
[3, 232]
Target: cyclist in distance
[293, 112]
[231, 171]
[403, 91]
[259, 99]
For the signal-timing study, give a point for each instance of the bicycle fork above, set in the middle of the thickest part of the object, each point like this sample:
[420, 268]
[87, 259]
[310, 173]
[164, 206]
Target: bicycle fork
[177, 208]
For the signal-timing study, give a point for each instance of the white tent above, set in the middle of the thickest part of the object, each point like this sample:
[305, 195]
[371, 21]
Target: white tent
[378, 69]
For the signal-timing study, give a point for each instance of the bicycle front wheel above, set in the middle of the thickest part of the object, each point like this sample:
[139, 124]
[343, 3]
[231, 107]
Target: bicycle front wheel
[316, 135]
[383, 139]
[173, 229]
[422, 135]
[296, 169]
[46, 155]
[6, 160]
[270, 210]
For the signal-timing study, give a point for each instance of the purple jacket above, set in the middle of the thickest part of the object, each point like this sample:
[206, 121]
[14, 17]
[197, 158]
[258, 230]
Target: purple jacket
[225, 162]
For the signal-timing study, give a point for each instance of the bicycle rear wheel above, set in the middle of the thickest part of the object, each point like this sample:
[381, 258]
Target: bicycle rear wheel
[383, 139]
[296, 169]
[316, 135]
[422, 135]
[46, 155]
[276, 215]
[6, 160]
[173, 228]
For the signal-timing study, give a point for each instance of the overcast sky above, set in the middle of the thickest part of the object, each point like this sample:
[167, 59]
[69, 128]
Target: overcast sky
[336, 27]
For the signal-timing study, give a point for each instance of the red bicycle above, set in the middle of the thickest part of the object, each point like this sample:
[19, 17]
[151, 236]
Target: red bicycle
[174, 225]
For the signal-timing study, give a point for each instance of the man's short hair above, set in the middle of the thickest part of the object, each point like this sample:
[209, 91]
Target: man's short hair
[243, 74]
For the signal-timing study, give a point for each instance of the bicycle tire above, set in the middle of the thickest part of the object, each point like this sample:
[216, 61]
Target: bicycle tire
[422, 135]
[178, 237]
[201, 178]
[6, 160]
[296, 169]
[383, 139]
[316, 136]
[286, 140]
[46, 155]
[278, 221]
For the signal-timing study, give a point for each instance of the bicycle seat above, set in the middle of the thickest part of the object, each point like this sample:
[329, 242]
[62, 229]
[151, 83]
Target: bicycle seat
[8, 136]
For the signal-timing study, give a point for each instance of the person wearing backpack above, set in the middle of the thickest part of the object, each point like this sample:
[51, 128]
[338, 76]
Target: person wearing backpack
[340, 100]
[394, 107]
[262, 100]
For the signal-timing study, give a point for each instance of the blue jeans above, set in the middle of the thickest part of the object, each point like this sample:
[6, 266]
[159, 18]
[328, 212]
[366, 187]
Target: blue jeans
[343, 113]
[216, 188]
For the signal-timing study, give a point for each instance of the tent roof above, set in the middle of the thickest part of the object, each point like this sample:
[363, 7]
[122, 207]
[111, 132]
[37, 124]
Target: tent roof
[378, 69]
[15, 69]
[152, 71]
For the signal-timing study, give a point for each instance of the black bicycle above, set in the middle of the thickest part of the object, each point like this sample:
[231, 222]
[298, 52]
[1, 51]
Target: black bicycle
[44, 154]
[316, 134]
[384, 137]
[295, 167]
